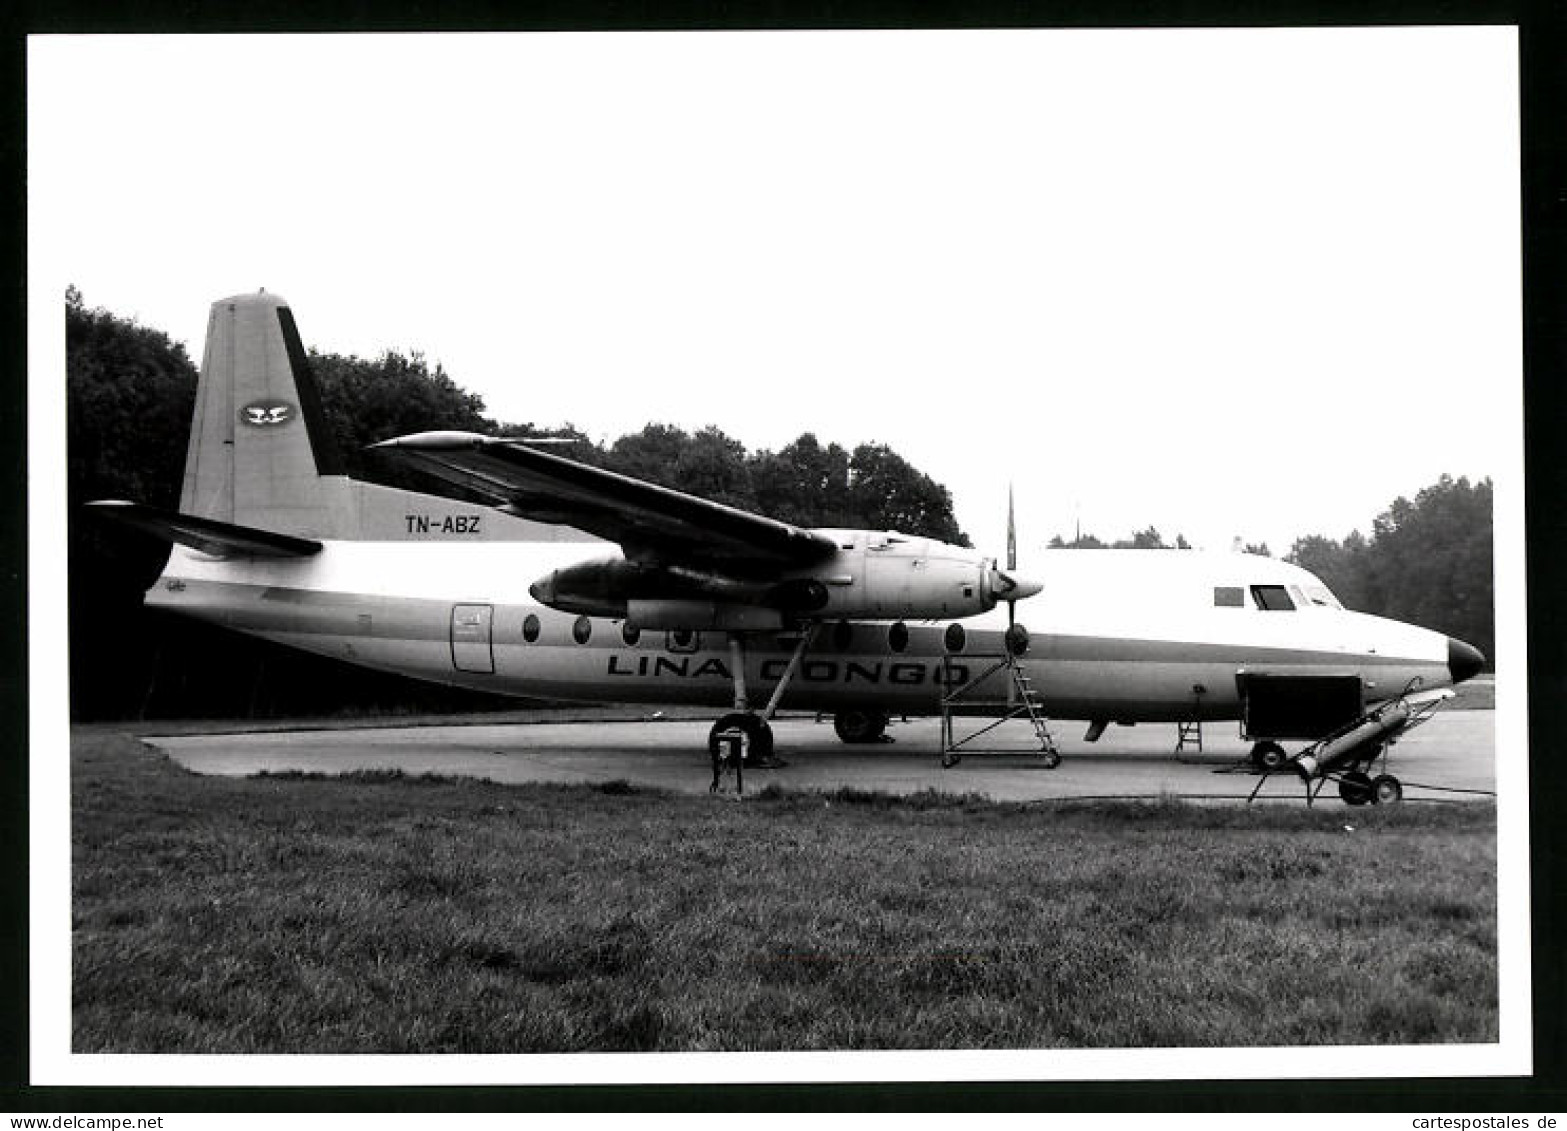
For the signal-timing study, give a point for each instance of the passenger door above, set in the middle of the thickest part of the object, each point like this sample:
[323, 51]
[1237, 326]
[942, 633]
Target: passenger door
[471, 646]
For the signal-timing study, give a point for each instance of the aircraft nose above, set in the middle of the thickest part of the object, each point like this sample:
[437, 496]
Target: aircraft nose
[1463, 660]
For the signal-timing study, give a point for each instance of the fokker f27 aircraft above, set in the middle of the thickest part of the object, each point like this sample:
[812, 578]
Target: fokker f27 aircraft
[578, 583]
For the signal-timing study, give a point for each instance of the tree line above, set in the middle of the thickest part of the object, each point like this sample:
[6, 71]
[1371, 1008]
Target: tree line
[1149, 539]
[1428, 561]
[130, 393]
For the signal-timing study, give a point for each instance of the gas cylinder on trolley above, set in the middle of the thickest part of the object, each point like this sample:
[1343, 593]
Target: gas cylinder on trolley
[1352, 743]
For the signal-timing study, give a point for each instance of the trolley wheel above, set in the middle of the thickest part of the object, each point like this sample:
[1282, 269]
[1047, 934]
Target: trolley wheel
[1050, 759]
[1386, 790]
[758, 749]
[1268, 756]
[856, 726]
[1355, 788]
[950, 758]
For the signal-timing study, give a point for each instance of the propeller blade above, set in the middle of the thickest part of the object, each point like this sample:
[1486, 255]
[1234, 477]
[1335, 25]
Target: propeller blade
[1012, 558]
[1011, 533]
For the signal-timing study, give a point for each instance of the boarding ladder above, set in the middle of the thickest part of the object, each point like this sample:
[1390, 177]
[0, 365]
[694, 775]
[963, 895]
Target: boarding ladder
[977, 697]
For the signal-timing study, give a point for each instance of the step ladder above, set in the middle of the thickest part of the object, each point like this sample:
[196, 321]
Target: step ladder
[1188, 732]
[969, 700]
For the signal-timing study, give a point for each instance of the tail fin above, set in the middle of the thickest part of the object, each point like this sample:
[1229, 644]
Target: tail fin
[259, 442]
[262, 454]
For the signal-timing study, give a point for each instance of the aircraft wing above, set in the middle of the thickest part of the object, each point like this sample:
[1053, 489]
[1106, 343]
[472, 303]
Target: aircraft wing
[650, 522]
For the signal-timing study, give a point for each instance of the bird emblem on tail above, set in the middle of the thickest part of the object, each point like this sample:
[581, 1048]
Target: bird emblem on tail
[267, 414]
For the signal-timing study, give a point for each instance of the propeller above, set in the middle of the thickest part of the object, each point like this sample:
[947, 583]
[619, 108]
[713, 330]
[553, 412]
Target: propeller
[1016, 635]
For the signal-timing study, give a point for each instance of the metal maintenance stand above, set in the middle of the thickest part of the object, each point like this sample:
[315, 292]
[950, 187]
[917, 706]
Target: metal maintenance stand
[965, 700]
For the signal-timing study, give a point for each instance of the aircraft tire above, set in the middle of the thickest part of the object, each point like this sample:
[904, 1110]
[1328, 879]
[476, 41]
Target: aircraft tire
[1356, 788]
[1050, 759]
[856, 726]
[1268, 756]
[758, 736]
[1386, 790]
[761, 741]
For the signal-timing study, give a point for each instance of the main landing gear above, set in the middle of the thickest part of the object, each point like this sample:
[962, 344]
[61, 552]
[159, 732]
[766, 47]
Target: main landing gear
[754, 732]
[858, 725]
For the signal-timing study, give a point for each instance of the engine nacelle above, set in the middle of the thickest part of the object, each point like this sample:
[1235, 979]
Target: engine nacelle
[612, 587]
[897, 577]
[875, 577]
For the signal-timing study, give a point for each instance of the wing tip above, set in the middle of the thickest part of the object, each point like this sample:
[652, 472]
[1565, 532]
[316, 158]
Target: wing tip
[438, 441]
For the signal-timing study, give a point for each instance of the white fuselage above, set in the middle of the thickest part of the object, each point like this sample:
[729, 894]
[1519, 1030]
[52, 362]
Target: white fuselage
[1126, 636]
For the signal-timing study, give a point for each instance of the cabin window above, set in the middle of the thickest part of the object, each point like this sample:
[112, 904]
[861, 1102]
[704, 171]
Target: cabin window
[1321, 595]
[1229, 597]
[682, 640]
[1272, 598]
[530, 628]
[955, 638]
[630, 633]
[898, 637]
[581, 630]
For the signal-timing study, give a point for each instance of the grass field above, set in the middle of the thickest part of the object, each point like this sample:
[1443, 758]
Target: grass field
[381, 914]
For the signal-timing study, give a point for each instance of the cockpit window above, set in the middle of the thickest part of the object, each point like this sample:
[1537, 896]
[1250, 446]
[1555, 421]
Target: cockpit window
[1229, 597]
[1272, 598]
[1321, 595]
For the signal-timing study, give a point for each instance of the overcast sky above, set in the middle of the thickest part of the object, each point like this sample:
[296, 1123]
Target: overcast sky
[1231, 283]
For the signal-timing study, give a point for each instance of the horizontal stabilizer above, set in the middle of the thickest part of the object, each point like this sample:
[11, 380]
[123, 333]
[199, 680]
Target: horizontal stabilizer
[209, 535]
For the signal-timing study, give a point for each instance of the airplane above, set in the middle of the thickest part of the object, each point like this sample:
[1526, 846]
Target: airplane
[576, 583]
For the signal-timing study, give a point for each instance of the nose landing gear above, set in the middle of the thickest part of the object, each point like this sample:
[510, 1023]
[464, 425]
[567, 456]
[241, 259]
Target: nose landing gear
[1268, 757]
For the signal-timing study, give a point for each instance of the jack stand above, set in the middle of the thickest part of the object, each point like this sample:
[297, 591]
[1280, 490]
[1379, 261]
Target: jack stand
[727, 761]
